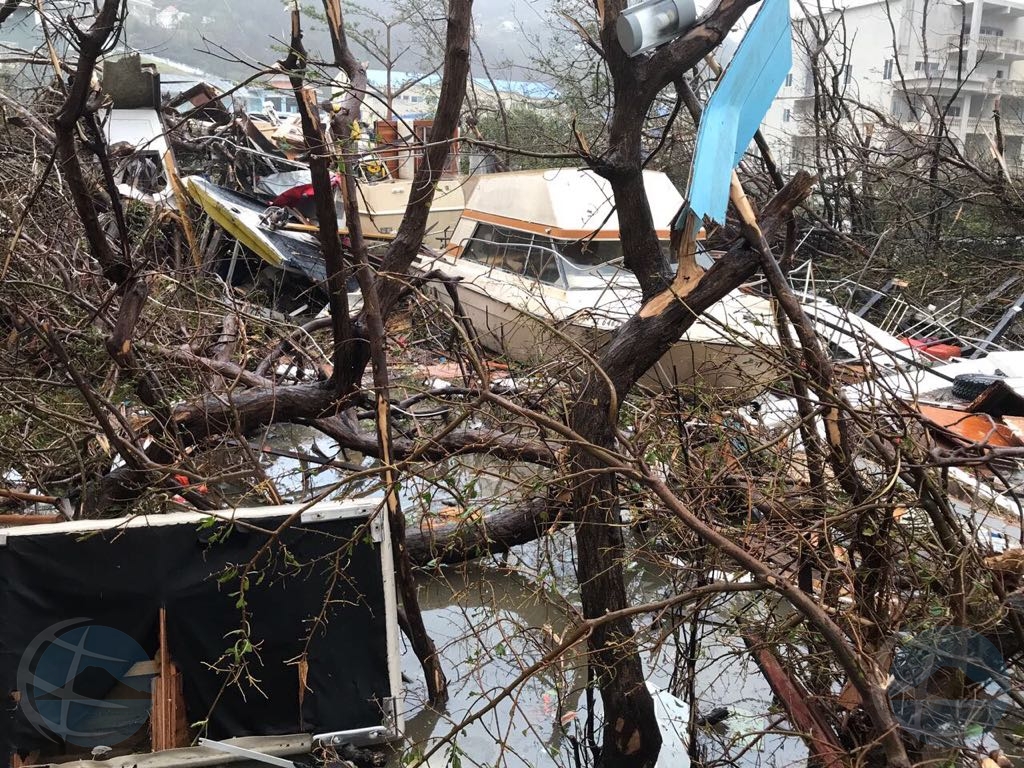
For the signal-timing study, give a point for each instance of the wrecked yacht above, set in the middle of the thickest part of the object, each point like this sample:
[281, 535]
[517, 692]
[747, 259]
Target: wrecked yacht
[539, 262]
[276, 226]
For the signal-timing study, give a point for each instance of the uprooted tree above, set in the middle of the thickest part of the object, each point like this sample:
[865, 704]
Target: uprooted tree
[135, 376]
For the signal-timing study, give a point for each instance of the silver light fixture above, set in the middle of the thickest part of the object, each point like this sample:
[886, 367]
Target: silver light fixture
[652, 23]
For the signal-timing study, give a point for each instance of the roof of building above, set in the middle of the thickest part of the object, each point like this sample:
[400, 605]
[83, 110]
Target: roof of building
[378, 79]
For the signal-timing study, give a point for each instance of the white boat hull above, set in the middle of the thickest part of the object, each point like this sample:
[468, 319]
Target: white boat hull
[699, 368]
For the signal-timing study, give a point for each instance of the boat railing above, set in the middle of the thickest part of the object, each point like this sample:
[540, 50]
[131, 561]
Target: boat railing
[892, 311]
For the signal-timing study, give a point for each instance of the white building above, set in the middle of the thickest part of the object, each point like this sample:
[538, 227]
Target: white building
[170, 17]
[969, 57]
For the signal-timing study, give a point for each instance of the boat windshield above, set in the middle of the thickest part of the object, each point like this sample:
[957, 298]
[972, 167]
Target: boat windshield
[578, 264]
[593, 259]
[603, 259]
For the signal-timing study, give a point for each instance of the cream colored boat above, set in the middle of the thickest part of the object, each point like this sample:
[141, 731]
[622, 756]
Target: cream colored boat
[538, 257]
[382, 207]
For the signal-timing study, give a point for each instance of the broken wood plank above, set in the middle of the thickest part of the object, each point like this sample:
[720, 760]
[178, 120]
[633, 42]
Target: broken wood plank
[167, 721]
[15, 519]
[802, 712]
[970, 428]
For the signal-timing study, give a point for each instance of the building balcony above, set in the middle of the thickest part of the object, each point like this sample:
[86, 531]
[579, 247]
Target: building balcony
[987, 126]
[1005, 87]
[973, 84]
[1007, 47]
[1010, 8]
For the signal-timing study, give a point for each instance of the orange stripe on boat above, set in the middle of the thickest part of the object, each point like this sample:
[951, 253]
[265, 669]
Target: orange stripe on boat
[555, 232]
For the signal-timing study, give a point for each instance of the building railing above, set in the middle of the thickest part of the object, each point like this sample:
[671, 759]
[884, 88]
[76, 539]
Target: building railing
[1011, 46]
[988, 126]
[1007, 87]
[975, 83]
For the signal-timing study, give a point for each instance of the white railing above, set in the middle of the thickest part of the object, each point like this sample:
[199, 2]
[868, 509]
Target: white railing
[1012, 46]
[988, 126]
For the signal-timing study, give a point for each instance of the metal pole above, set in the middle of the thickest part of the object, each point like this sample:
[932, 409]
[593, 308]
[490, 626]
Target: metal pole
[999, 328]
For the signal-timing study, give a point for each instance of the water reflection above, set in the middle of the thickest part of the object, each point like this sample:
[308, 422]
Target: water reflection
[490, 623]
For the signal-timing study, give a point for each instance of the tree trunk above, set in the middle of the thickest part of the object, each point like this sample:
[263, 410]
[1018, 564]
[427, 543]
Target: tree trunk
[631, 736]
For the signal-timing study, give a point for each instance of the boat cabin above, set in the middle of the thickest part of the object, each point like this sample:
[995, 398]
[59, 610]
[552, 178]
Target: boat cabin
[555, 226]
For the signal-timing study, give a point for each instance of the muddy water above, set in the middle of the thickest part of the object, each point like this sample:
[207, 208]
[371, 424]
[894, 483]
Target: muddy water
[492, 622]
[494, 619]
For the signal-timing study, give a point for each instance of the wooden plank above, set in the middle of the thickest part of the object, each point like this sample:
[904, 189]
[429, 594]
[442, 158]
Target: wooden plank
[803, 714]
[12, 520]
[167, 721]
[971, 428]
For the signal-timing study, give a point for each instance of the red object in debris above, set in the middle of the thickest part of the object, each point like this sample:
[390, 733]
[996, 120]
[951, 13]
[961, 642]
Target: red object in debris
[183, 480]
[970, 428]
[934, 349]
[292, 197]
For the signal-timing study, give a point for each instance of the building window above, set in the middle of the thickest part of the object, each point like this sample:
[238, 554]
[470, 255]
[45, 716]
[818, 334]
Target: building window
[789, 79]
[993, 31]
[999, 74]
[887, 69]
[847, 74]
[954, 111]
[929, 68]
[786, 115]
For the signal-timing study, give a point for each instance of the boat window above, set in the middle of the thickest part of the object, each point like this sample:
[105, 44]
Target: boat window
[515, 249]
[604, 257]
[481, 248]
[522, 253]
[543, 262]
[592, 253]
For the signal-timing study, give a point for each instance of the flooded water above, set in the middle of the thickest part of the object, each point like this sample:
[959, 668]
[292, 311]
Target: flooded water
[495, 619]
[493, 622]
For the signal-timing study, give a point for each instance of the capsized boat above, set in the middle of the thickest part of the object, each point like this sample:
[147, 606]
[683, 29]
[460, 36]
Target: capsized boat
[539, 260]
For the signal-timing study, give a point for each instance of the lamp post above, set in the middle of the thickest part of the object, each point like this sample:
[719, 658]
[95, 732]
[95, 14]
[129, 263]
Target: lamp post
[652, 23]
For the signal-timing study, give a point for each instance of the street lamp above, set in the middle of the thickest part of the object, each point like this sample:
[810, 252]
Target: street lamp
[653, 23]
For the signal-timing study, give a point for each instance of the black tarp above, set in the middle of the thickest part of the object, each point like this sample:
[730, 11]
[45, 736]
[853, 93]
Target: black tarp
[317, 591]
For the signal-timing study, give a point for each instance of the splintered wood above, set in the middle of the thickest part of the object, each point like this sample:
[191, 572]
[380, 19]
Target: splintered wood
[167, 722]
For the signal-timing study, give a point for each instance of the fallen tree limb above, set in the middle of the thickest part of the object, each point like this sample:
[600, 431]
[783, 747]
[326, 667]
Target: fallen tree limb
[220, 367]
[29, 498]
[462, 540]
[490, 441]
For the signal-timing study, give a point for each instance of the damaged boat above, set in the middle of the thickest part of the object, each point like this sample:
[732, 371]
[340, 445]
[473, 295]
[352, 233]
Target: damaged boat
[538, 260]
